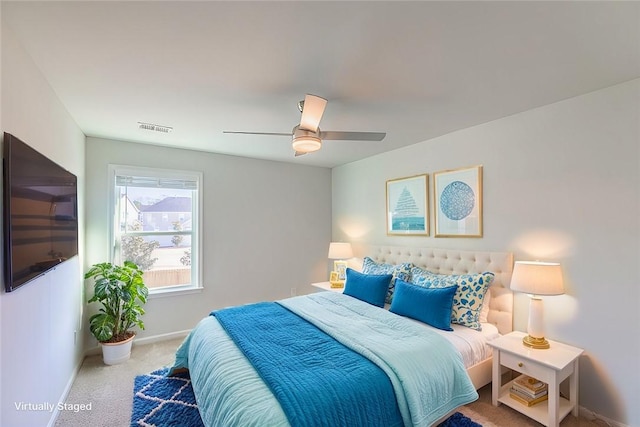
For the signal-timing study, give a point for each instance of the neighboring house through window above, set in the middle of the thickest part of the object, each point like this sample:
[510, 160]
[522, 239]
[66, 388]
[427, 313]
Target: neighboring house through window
[156, 225]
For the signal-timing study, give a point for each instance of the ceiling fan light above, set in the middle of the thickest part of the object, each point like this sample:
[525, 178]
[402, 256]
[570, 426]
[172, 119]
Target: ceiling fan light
[306, 143]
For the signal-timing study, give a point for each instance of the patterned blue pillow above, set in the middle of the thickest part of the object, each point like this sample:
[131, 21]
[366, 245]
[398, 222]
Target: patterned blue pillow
[421, 277]
[399, 271]
[468, 300]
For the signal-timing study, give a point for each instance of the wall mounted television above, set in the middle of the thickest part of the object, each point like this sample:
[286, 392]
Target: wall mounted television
[40, 213]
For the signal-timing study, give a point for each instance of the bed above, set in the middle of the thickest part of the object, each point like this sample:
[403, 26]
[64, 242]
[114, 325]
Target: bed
[245, 371]
[450, 261]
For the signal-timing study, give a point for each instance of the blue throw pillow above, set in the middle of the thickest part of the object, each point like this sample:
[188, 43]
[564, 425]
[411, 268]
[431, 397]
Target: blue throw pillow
[399, 271]
[468, 300]
[428, 305]
[371, 288]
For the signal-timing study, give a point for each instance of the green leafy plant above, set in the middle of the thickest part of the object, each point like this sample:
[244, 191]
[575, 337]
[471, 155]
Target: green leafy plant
[122, 293]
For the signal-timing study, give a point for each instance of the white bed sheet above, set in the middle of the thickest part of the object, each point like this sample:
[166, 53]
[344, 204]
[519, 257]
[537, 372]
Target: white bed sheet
[471, 344]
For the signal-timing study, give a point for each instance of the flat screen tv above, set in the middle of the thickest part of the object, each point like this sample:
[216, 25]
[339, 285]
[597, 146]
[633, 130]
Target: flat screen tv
[40, 213]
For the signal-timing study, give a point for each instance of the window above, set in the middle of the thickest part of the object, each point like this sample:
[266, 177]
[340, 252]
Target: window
[156, 225]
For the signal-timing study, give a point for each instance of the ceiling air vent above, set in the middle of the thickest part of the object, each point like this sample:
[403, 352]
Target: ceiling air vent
[157, 128]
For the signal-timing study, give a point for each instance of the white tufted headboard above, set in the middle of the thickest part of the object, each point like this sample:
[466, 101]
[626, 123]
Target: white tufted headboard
[451, 261]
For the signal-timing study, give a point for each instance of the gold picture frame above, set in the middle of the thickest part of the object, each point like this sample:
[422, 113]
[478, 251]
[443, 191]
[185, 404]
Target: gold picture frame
[340, 267]
[334, 281]
[458, 202]
[408, 206]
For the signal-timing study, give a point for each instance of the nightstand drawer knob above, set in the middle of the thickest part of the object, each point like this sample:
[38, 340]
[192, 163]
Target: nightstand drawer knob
[520, 364]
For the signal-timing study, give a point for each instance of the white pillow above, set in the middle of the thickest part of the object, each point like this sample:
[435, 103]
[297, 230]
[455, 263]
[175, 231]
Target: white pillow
[489, 331]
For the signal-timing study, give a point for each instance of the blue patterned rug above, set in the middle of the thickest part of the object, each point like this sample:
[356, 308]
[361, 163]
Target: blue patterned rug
[165, 401]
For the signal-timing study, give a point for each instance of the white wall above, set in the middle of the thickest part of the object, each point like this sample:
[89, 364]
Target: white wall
[562, 183]
[266, 227]
[38, 352]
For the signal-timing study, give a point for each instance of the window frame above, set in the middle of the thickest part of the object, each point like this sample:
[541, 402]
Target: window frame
[196, 221]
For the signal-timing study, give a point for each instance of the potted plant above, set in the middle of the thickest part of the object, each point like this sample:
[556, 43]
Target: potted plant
[122, 293]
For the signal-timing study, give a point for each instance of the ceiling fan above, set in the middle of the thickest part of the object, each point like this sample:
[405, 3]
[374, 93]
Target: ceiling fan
[307, 136]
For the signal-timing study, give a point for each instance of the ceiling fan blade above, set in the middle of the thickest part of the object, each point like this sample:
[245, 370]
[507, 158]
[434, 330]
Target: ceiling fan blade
[257, 133]
[299, 153]
[352, 136]
[312, 111]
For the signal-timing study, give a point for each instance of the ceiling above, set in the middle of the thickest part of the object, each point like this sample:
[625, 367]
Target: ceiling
[416, 70]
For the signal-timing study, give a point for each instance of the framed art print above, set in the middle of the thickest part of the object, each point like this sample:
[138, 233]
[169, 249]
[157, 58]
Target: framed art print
[333, 277]
[458, 202]
[407, 206]
[340, 267]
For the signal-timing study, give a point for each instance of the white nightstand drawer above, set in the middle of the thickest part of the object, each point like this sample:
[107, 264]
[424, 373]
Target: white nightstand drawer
[524, 365]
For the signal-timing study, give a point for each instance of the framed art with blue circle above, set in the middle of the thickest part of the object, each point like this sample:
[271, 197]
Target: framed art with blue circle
[458, 202]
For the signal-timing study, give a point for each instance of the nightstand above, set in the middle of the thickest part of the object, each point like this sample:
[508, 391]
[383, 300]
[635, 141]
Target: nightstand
[326, 286]
[552, 366]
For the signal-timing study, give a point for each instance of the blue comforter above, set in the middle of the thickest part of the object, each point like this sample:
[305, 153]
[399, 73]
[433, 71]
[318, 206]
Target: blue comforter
[426, 372]
[317, 380]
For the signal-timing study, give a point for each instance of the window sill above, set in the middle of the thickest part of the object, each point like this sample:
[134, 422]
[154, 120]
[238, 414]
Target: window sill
[174, 291]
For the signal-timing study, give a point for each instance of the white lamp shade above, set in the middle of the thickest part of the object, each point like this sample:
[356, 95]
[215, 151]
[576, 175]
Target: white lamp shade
[340, 250]
[537, 278]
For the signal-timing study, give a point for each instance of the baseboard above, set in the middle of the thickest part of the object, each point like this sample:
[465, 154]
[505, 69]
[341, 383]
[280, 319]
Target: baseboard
[65, 394]
[95, 351]
[590, 415]
[161, 337]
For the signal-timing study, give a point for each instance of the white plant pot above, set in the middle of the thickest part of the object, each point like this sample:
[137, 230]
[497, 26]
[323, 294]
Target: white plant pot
[119, 352]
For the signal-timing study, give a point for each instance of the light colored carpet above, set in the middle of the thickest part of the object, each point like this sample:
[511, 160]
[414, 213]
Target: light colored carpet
[109, 390]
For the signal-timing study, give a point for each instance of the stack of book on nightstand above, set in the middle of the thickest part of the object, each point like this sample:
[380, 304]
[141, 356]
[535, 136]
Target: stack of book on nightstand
[528, 390]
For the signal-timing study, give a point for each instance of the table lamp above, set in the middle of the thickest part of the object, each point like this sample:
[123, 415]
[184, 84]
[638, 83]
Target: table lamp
[536, 279]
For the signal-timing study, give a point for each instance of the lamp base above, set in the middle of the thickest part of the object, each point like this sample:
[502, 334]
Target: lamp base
[537, 343]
